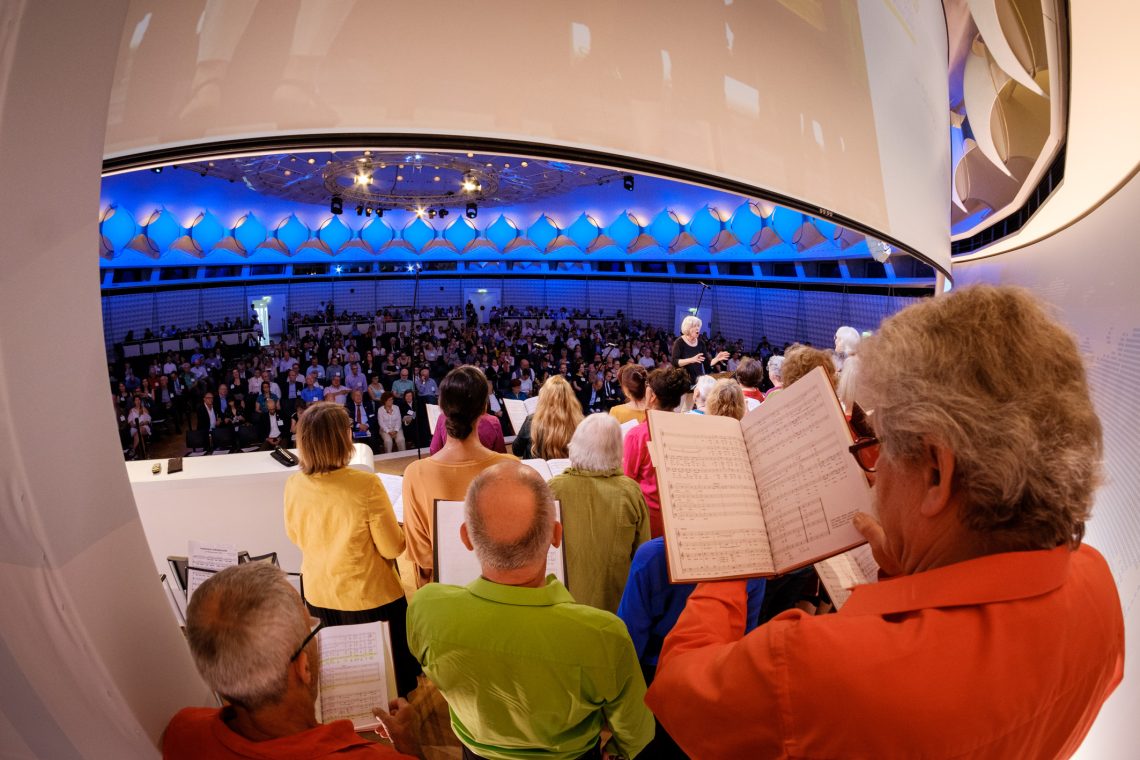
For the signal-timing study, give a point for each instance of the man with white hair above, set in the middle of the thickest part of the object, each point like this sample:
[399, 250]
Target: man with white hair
[604, 509]
[526, 671]
[701, 390]
[996, 632]
[253, 643]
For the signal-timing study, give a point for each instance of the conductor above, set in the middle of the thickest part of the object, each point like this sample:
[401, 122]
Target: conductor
[690, 351]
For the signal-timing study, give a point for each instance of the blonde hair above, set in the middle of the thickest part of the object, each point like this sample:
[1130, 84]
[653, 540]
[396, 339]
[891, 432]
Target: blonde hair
[726, 399]
[555, 419]
[800, 360]
[986, 372]
[323, 440]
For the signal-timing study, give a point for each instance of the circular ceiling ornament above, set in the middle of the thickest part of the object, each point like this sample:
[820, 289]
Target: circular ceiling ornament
[408, 180]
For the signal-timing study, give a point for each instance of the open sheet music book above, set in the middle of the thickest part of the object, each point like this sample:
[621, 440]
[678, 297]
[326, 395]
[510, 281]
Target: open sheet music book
[547, 468]
[843, 572]
[458, 565]
[762, 496]
[517, 410]
[356, 673]
[433, 415]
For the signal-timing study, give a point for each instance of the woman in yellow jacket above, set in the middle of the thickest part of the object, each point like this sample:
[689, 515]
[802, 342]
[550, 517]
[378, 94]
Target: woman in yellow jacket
[343, 522]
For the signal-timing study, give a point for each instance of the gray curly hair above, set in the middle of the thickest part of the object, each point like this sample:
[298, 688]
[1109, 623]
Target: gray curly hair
[988, 373]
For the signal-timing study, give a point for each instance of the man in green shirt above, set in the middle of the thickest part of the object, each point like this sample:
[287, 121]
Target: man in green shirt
[526, 671]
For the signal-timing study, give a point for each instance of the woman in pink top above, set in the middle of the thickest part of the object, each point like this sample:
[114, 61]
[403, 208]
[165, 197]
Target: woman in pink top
[663, 391]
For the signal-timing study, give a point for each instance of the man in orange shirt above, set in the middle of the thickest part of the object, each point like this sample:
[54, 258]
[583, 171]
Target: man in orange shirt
[251, 639]
[994, 632]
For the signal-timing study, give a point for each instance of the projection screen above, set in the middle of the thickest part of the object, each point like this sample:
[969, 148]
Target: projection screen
[838, 106]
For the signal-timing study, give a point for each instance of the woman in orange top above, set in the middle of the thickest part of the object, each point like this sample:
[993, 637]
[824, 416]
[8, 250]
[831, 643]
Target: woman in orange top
[447, 473]
[632, 378]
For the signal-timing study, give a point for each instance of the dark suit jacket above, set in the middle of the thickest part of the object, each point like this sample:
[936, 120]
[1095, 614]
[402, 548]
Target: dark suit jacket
[369, 415]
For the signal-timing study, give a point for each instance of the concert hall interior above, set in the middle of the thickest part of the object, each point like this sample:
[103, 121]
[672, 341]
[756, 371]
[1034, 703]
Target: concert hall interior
[194, 189]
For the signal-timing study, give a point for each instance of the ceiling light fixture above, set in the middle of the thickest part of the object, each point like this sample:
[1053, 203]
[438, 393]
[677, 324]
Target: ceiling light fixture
[336, 205]
[627, 182]
[368, 211]
[472, 211]
[360, 210]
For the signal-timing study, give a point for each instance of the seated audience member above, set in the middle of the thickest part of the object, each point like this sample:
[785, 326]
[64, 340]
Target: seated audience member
[252, 642]
[312, 392]
[265, 397]
[847, 341]
[407, 404]
[342, 521]
[298, 409]
[750, 375]
[363, 416]
[376, 390]
[207, 418]
[138, 418]
[775, 374]
[603, 510]
[546, 433]
[984, 474]
[525, 671]
[632, 378]
[663, 390]
[426, 388]
[226, 408]
[336, 392]
[726, 399]
[403, 384]
[516, 392]
[701, 390]
[271, 426]
[489, 430]
[494, 406]
[390, 424]
[448, 472]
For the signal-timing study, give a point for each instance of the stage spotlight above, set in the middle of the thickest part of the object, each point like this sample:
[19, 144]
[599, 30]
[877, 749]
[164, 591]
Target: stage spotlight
[627, 182]
[443, 212]
[379, 211]
[157, 170]
[359, 210]
[472, 211]
[368, 211]
[336, 205]
[431, 213]
[420, 212]
[469, 183]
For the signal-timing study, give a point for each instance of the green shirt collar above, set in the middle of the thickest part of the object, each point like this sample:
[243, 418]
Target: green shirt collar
[594, 473]
[550, 594]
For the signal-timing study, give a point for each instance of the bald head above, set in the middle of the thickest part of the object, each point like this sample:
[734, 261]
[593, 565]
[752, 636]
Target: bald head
[509, 513]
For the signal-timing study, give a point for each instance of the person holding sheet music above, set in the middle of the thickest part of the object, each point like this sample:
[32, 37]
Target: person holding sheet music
[664, 389]
[546, 433]
[691, 352]
[526, 671]
[342, 520]
[603, 509]
[252, 642]
[447, 473]
[994, 631]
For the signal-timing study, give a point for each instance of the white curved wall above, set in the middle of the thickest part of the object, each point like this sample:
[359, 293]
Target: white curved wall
[839, 105]
[91, 662]
[1089, 273]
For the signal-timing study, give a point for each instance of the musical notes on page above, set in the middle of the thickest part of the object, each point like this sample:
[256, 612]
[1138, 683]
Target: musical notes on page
[713, 524]
[809, 484]
[353, 678]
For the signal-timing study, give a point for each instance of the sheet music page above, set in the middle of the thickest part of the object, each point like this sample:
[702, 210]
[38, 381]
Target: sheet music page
[433, 415]
[456, 564]
[713, 524]
[531, 405]
[540, 466]
[627, 426]
[353, 676]
[204, 560]
[394, 486]
[556, 466]
[516, 410]
[810, 486]
[845, 571]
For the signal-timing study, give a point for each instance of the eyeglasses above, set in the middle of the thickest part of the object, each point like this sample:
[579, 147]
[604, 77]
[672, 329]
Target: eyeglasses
[866, 452]
[319, 625]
